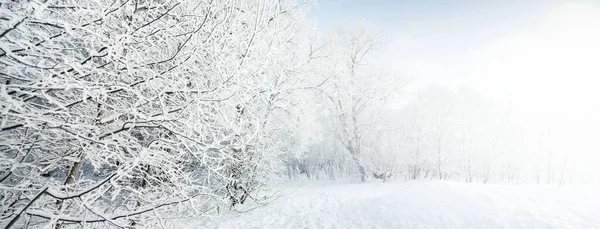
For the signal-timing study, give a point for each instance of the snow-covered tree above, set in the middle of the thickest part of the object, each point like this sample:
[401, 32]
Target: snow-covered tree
[357, 85]
[129, 112]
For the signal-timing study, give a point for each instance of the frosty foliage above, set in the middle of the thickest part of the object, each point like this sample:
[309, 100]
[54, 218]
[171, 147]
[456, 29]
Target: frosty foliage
[126, 113]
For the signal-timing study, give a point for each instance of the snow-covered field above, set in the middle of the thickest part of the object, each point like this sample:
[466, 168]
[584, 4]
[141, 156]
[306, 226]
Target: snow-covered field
[420, 204]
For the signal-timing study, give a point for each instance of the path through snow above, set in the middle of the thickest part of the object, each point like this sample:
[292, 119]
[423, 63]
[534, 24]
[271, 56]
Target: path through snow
[421, 204]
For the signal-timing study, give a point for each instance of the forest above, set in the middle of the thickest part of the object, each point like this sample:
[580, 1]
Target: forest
[131, 113]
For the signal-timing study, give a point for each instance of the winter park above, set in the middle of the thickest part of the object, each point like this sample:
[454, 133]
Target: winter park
[299, 114]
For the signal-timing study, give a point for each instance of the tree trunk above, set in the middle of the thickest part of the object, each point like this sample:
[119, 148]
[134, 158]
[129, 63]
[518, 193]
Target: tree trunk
[72, 177]
[363, 173]
[361, 167]
[75, 171]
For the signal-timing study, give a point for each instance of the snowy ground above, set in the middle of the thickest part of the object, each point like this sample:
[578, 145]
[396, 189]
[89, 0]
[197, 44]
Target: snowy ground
[420, 204]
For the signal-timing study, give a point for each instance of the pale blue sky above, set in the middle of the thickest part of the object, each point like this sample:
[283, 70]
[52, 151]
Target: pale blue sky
[457, 43]
[444, 27]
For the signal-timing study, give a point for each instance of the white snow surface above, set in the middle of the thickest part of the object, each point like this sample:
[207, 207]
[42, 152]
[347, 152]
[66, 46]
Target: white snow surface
[419, 204]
